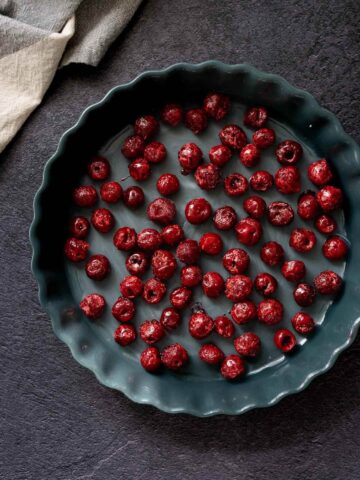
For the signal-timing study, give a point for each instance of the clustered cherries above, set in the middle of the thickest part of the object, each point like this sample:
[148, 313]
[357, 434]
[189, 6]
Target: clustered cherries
[162, 251]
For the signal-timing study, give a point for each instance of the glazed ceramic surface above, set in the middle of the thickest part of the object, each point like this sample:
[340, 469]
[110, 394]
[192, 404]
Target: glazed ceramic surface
[199, 389]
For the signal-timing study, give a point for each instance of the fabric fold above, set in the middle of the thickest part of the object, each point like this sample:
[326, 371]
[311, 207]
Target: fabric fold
[38, 36]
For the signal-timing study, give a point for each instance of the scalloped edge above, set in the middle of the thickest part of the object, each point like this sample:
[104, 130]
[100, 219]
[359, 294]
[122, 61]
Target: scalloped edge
[38, 214]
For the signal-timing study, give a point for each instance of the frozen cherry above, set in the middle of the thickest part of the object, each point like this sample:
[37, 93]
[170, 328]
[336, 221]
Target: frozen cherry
[97, 267]
[131, 287]
[137, 263]
[270, 311]
[163, 264]
[146, 126]
[272, 253]
[280, 214]
[320, 173]
[172, 234]
[249, 155]
[304, 294]
[255, 117]
[125, 334]
[243, 312]
[197, 211]
[93, 305]
[284, 340]
[149, 239]
[191, 276]
[154, 291]
[220, 155]
[211, 243]
[303, 323]
[302, 240]
[325, 224]
[293, 270]
[236, 261]
[155, 152]
[264, 138]
[102, 220]
[248, 231]
[335, 248]
[151, 331]
[238, 288]
[172, 114]
[216, 105]
[261, 181]
[233, 136]
[125, 239]
[79, 227]
[248, 344]
[225, 218]
[133, 147]
[168, 184]
[212, 284]
[162, 211]
[140, 169]
[85, 196]
[288, 152]
[123, 309]
[255, 206]
[200, 325]
[174, 356]
[235, 184]
[223, 326]
[328, 282]
[207, 176]
[211, 354]
[307, 207]
[98, 168]
[133, 197]
[329, 198]
[111, 192]
[76, 250]
[150, 359]
[181, 297]
[170, 318]
[196, 120]
[265, 284]
[189, 157]
[232, 367]
[188, 251]
[287, 180]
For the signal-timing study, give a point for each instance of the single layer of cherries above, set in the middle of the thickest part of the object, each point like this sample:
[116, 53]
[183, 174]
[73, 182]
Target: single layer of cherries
[162, 249]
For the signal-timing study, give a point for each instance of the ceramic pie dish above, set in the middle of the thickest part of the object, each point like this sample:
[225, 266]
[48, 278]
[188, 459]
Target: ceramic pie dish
[101, 129]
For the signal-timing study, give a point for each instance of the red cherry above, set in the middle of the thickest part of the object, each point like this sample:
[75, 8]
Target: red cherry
[233, 136]
[172, 114]
[216, 105]
[220, 155]
[248, 231]
[249, 155]
[243, 312]
[211, 243]
[285, 340]
[248, 344]
[255, 117]
[212, 284]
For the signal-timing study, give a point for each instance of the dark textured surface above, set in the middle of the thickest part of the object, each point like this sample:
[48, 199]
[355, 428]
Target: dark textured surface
[57, 422]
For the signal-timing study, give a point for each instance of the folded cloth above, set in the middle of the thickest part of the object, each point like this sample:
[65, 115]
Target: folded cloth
[39, 36]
